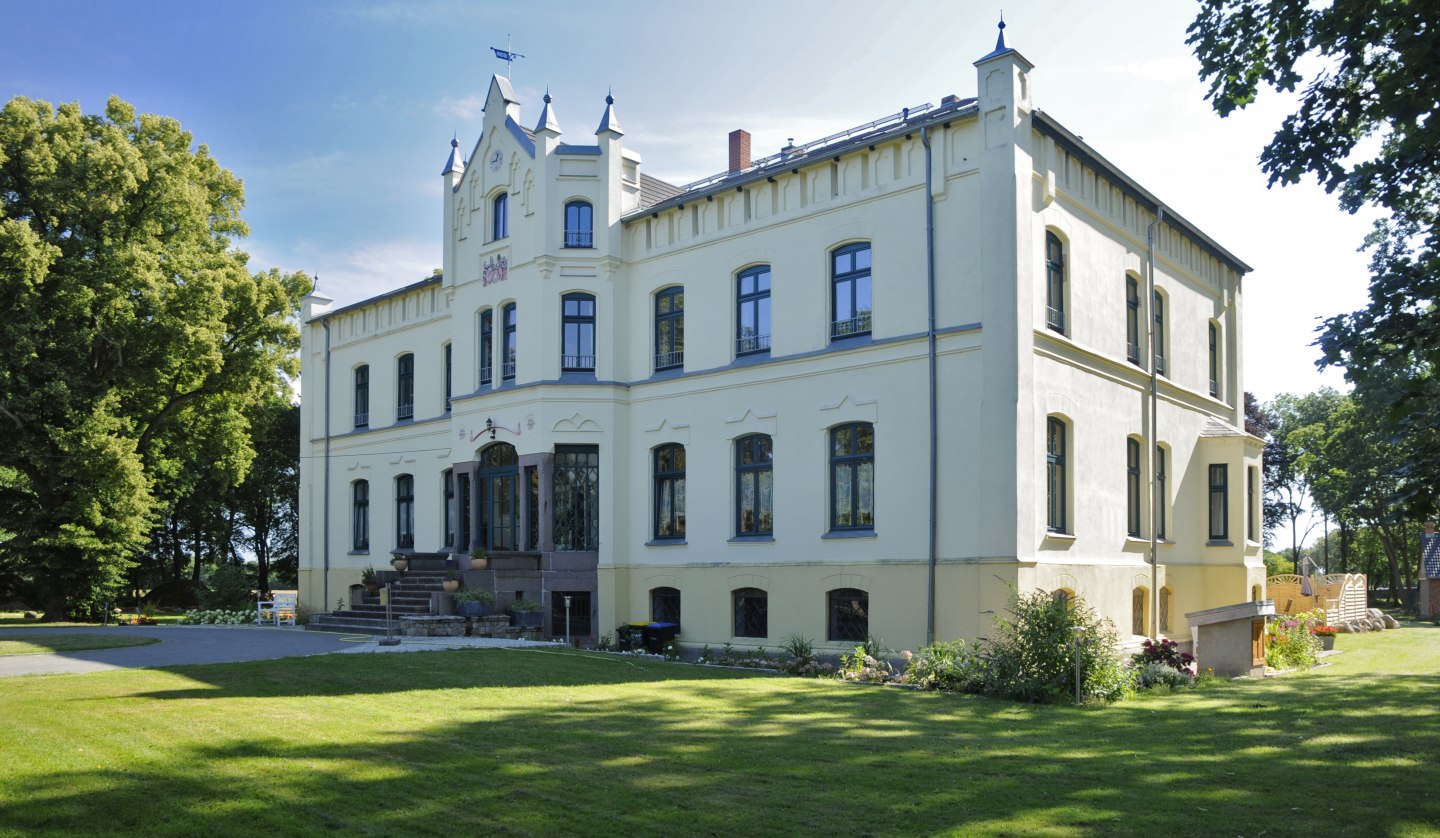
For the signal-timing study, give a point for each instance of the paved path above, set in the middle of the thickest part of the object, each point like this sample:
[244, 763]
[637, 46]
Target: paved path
[180, 645]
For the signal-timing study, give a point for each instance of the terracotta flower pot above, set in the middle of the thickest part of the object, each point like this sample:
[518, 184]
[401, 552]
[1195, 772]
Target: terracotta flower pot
[400, 564]
[450, 585]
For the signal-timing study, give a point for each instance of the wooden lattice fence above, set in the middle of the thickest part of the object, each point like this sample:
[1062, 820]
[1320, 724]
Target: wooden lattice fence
[1340, 595]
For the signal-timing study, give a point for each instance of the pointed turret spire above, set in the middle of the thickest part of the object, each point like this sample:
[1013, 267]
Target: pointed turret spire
[456, 163]
[1000, 45]
[609, 122]
[547, 122]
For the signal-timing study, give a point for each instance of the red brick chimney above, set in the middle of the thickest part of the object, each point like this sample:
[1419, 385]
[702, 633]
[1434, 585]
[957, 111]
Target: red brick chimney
[739, 150]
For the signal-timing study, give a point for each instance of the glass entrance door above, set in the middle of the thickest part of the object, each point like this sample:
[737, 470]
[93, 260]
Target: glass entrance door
[499, 479]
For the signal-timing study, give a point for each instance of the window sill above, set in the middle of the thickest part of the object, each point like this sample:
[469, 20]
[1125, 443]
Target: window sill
[1063, 537]
[364, 552]
[666, 542]
[841, 534]
[751, 539]
[1135, 539]
[1219, 542]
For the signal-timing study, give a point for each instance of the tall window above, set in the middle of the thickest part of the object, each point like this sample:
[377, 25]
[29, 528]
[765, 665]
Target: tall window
[1214, 361]
[849, 615]
[487, 345]
[577, 328]
[670, 491]
[1159, 304]
[1219, 502]
[507, 343]
[665, 605]
[500, 219]
[405, 387]
[1160, 496]
[499, 487]
[576, 498]
[752, 311]
[462, 512]
[447, 487]
[754, 504]
[360, 515]
[405, 511]
[579, 221]
[1164, 609]
[1132, 319]
[1250, 534]
[670, 328]
[850, 295]
[1132, 487]
[532, 519]
[362, 396]
[1054, 283]
[449, 369]
[852, 477]
[1055, 474]
[750, 612]
[1137, 610]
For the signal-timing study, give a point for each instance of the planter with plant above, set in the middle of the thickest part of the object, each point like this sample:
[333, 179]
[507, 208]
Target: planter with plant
[370, 580]
[1326, 635]
[478, 559]
[451, 582]
[527, 613]
[400, 563]
[474, 602]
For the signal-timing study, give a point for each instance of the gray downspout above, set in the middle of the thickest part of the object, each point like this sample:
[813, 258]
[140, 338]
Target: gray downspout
[325, 493]
[934, 423]
[1154, 435]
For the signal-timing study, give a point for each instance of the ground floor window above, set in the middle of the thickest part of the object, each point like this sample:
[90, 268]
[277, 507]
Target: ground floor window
[665, 605]
[576, 497]
[849, 611]
[751, 606]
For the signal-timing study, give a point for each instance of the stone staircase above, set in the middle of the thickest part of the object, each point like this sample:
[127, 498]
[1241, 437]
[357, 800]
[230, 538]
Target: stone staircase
[410, 594]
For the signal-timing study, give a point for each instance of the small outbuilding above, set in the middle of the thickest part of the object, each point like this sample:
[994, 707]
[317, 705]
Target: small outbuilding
[1231, 639]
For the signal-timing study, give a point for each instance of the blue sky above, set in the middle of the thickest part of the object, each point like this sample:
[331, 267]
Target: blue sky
[338, 115]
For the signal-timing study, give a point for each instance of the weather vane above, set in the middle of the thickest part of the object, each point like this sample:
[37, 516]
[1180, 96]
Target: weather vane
[506, 55]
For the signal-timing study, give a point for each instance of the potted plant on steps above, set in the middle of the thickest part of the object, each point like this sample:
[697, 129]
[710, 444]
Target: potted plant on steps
[400, 563]
[527, 613]
[370, 580]
[478, 560]
[451, 583]
[473, 602]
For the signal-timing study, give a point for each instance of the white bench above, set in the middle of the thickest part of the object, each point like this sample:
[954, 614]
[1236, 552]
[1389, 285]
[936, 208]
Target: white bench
[279, 609]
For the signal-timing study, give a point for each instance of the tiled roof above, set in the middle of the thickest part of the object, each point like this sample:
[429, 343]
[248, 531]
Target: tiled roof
[653, 190]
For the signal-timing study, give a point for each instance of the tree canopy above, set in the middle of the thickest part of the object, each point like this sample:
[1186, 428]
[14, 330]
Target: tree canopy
[1368, 129]
[137, 342]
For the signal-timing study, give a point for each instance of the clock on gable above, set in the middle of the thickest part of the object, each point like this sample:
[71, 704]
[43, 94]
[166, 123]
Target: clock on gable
[495, 158]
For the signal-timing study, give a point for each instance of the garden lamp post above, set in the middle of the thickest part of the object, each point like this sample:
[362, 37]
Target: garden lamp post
[567, 621]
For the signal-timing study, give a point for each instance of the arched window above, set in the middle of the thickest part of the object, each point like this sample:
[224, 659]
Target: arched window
[360, 515]
[1055, 475]
[1054, 283]
[1132, 487]
[850, 301]
[665, 605]
[487, 345]
[362, 396]
[498, 482]
[579, 224]
[1214, 360]
[405, 511]
[1162, 498]
[1219, 502]
[670, 328]
[852, 477]
[1164, 609]
[1254, 593]
[752, 311]
[754, 484]
[499, 219]
[849, 615]
[1159, 305]
[577, 333]
[1064, 595]
[449, 370]
[750, 607]
[1137, 610]
[670, 491]
[405, 387]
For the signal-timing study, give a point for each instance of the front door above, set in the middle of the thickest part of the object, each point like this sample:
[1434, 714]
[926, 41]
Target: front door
[499, 486]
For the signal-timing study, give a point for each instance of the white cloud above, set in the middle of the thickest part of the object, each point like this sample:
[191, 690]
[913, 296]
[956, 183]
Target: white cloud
[465, 107]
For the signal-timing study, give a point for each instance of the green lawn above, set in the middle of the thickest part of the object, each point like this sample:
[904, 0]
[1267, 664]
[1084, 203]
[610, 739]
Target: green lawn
[550, 742]
[16, 619]
[40, 643]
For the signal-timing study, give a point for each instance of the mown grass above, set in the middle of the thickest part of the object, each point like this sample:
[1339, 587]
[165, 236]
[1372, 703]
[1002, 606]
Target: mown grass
[17, 619]
[40, 643]
[549, 742]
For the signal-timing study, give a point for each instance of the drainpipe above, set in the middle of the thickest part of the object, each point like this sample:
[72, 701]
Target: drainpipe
[1154, 436]
[934, 423]
[325, 492]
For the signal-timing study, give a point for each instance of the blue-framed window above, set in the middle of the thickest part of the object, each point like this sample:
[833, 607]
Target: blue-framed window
[405, 387]
[852, 477]
[487, 346]
[1054, 283]
[754, 485]
[670, 328]
[752, 311]
[360, 515]
[577, 333]
[579, 224]
[500, 217]
[670, 491]
[362, 396]
[508, 345]
[405, 511]
[1055, 475]
[850, 299]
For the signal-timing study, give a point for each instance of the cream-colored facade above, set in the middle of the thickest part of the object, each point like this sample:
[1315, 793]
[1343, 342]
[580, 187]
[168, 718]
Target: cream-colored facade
[958, 210]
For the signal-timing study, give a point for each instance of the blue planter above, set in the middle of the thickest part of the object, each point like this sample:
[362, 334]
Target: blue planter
[529, 619]
[472, 609]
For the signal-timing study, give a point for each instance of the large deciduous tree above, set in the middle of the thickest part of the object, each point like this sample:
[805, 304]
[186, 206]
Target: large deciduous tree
[136, 341]
[1368, 129]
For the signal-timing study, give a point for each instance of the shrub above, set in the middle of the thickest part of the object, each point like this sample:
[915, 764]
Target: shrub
[798, 658]
[227, 589]
[945, 666]
[219, 617]
[474, 595]
[1290, 643]
[1156, 674]
[867, 664]
[1166, 652]
[1032, 655]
